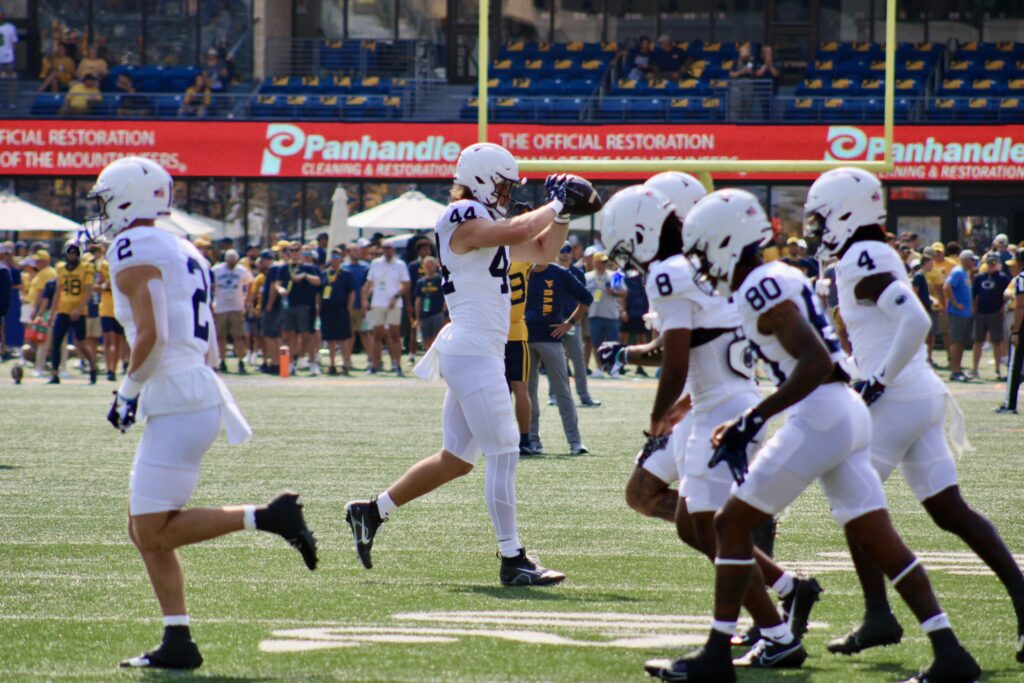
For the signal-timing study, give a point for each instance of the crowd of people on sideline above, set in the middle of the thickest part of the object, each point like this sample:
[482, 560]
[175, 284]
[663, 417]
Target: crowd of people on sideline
[326, 303]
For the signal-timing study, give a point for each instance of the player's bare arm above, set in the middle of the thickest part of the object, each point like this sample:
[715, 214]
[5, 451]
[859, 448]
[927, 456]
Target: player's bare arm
[674, 368]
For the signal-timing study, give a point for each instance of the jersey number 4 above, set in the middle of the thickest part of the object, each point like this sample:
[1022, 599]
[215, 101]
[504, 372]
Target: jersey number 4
[199, 300]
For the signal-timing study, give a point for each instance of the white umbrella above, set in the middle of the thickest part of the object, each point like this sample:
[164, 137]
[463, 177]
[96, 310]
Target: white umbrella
[18, 215]
[339, 228]
[411, 211]
[184, 223]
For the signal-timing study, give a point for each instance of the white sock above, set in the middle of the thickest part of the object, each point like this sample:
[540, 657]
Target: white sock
[784, 586]
[385, 506]
[176, 620]
[249, 517]
[500, 496]
[726, 627]
[779, 634]
[936, 623]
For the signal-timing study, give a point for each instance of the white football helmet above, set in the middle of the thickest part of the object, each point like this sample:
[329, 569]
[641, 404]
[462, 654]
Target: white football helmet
[490, 172]
[682, 189]
[839, 202]
[721, 227]
[127, 190]
[631, 224]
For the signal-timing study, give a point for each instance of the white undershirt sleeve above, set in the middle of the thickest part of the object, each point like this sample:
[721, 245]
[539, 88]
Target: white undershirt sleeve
[900, 303]
[132, 384]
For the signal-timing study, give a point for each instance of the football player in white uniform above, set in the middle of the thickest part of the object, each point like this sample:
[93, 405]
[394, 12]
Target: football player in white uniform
[704, 349]
[825, 437]
[161, 288]
[475, 244]
[908, 402]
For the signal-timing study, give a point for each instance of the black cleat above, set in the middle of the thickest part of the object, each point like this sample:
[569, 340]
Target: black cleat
[1003, 409]
[767, 654]
[171, 654]
[747, 639]
[954, 665]
[697, 667]
[797, 606]
[1020, 648]
[92, 375]
[523, 570]
[872, 632]
[283, 516]
[363, 517]
[55, 379]
[111, 377]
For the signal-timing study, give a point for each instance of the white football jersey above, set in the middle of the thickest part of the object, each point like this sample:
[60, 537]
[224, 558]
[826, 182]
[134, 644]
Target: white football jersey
[183, 382]
[767, 286]
[475, 287]
[719, 368]
[870, 330]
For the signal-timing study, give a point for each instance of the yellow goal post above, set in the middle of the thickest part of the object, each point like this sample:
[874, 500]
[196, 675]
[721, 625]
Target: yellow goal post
[703, 167]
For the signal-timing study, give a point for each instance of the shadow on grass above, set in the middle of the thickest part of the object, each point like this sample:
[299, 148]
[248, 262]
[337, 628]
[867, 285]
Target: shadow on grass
[538, 593]
[8, 467]
[166, 675]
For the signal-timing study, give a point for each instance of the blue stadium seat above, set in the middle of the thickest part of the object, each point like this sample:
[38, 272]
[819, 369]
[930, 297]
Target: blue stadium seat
[943, 108]
[167, 106]
[613, 108]
[149, 78]
[47, 104]
[810, 87]
[803, 109]
[180, 77]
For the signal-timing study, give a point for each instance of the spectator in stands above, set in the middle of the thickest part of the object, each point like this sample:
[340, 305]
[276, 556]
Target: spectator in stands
[957, 289]
[92, 63]
[919, 280]
[766, 68]
[604, 312]
[131, 103]
[988, 291]
[216, 71]
[8, 38]
[197, 98]
[429, 303]
[744, 65]
[83, 98]
[548, 295]
[58, 70]
[337, 301]
[669, 61]
[638, 65]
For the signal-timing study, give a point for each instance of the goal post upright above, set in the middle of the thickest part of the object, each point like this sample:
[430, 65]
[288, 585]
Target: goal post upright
[697, 166]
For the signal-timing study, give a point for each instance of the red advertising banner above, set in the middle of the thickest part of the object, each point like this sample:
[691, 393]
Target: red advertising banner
[429, 150]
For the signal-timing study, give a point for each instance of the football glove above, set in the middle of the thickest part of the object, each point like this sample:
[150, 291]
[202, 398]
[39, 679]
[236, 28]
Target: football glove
[870, 390]
[612, 357]
[122, 413]
[651, 446]
[555, 186]
[733, 448]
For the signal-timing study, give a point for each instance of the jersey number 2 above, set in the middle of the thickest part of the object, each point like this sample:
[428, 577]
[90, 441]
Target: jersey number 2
[199, 298]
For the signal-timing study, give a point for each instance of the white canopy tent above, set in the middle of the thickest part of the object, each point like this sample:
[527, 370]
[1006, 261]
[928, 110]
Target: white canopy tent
[18, 215]
[411, 211]
[190, 225]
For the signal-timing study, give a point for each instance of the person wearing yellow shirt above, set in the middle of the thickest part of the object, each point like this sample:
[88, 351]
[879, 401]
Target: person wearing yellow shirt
[44, 273]
[254, 304]
[114, 346]
[935, 278]
[83, 97]
[75, 281]
[517, 351]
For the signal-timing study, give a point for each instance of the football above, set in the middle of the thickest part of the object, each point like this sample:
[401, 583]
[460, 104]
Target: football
[581, 199]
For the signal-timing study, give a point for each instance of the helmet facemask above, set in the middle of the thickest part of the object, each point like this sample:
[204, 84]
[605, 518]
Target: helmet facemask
[101, 223]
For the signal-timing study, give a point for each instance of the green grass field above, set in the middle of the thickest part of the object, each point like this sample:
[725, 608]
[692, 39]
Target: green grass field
[74, 598]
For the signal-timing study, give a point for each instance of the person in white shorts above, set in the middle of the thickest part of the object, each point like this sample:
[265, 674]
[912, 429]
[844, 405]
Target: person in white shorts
[230, 289]
[386, 290]
[825, 437]
[161, 288]
[908, 402]
[475, 245]
[703, 349]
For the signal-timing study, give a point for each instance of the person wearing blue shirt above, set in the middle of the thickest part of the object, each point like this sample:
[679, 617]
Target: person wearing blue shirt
[573, 339]
[358, 268]
[548, 293]
[301, 281]
[919, 280]
[957, 289]
[337, 298]
[6, 297]
[669, 61]
[988, 292]
[636, 307]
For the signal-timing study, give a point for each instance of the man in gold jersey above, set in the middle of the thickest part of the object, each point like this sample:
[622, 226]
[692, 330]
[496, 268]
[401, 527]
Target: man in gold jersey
[115, 348]
[74, 287]
[517, 351]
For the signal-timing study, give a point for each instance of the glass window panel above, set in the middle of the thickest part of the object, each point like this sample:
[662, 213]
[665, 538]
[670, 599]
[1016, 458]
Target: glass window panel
[171, 32]
[578, 20]
[928, 228]
[421, 19]
[630, 19]
[791, 11]
[371, 19]
[226, 26]
[686, 20]
[738, 21]
[977, 232]
[58, 19]
[787, 208]
[117, 31]
[53, 194]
